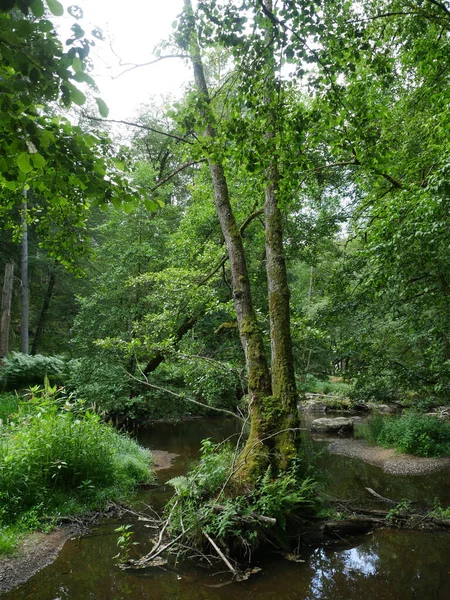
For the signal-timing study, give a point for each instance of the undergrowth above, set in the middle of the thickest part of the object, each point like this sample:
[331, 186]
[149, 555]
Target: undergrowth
[58, 458]
[412, 433]
[9, 403]
[21, 370]
[207, 503]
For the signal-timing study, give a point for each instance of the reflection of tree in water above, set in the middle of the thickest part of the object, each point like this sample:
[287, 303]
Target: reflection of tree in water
[391, 565]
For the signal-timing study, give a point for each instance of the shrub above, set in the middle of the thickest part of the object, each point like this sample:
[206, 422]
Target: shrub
[21, 370]
[205, 501]
[412, 433]
[55, 461]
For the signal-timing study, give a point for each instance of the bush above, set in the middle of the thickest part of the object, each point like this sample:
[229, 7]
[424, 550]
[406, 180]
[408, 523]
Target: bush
[412, 433]
[63, 461]
[22, 370]
[205, 501]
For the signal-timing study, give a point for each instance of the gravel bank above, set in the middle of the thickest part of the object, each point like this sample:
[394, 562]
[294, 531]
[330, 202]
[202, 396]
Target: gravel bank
[387, 458]
[36, 552]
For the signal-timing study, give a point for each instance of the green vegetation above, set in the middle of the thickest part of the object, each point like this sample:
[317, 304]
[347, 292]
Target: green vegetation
[412, 433]
[9, 403]
[252, 238]
[21, 370]
[206, 501]
[58, 458]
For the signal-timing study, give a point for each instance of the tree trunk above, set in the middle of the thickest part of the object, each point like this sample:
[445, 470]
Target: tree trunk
[43, 315]
[257, 454]
[24, 325]
[282, 363]
[5, 316]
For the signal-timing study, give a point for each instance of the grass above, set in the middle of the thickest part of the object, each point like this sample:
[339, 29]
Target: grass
[412, 433]
[61, 461]
[9, 404]
[331, 386]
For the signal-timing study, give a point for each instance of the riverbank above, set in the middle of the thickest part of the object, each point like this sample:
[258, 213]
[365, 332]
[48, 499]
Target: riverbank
[387, 458]
[36, 551]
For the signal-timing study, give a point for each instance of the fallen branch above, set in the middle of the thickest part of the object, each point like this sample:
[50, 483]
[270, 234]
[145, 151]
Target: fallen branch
[382, 498]
[220, 553]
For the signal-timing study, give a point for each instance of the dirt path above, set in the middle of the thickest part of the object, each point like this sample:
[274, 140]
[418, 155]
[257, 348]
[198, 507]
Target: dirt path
[387, 458]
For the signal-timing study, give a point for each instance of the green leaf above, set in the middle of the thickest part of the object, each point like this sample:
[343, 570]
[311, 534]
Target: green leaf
[38, 160]
[77, 64]
[23, 162]
[55, 7]
[75, 94]
[37, 8]
[102, 107]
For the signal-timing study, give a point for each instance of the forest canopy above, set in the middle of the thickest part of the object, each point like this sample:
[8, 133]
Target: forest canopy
[285, 222]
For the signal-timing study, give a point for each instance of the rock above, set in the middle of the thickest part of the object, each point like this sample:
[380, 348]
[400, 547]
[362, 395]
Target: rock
[383, 409]
[313, 406]
[336, 424]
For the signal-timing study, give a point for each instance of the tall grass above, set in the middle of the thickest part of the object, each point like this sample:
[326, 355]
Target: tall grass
[63, 461]
[9, 404]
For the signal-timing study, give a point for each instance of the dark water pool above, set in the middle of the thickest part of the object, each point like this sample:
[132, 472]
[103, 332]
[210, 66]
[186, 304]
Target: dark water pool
[389, 564]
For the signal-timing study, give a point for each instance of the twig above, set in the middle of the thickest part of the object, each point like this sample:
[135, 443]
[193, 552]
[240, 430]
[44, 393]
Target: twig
[182, 397]
[140, 126]
[220, 553]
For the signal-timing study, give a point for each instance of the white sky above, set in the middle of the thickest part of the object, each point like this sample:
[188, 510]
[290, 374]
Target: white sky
[132, 28]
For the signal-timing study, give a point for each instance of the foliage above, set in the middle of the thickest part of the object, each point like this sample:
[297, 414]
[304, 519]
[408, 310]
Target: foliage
[9, 403]
[63, 460]
[331, 386]
[21, 370]
[438, 512]
[124, 543]
[413, 433]
[206, 501]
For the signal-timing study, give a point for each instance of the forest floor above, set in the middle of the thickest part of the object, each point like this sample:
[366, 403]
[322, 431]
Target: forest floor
[36, 551]
[387, 458]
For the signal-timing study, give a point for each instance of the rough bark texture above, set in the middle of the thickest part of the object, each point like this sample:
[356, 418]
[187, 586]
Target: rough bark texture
[257, 453]
[24, 324]
[5, 316]
[283, 376]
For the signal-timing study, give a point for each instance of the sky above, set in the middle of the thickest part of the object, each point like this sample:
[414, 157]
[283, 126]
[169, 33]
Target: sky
[132, 29]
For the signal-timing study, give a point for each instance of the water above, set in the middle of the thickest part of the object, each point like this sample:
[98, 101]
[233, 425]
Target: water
[389, 564]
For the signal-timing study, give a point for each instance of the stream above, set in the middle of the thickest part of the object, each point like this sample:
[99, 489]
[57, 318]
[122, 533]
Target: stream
[388, 564]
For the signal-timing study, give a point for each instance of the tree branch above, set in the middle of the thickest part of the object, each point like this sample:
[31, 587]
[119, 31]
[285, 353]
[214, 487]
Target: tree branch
[146, 127]
[181, 168]
[132, 66]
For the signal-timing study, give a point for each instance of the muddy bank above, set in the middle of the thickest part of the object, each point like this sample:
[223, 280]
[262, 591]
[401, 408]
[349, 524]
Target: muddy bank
[387, 458]
[36, 552]
[161, 459]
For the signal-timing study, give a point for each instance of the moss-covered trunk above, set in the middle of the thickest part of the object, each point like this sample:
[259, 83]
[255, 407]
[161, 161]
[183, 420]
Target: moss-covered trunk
[282, 363]
[258, 452]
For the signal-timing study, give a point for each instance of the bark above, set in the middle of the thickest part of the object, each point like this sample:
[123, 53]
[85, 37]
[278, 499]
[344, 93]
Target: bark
[43, 316]
[5, 316]
[282, 359]
[257, 452]
[24, 324]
